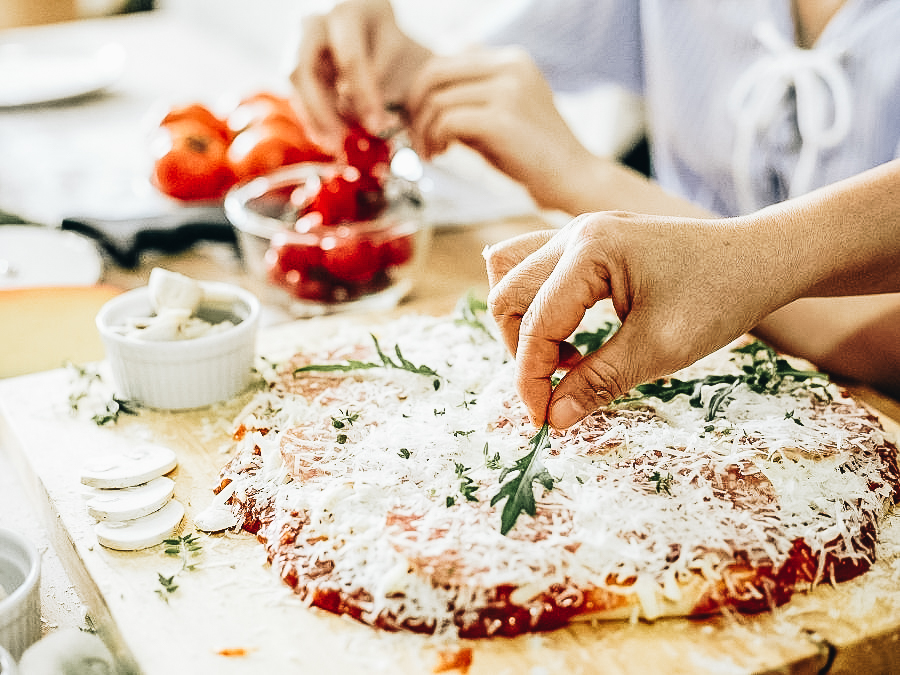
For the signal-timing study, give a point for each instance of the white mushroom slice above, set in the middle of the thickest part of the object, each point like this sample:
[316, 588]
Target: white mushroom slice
[130, 503]
[150, 530]
[139, 464]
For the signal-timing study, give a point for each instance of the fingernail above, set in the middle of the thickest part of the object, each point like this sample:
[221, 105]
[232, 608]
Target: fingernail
[565, 412]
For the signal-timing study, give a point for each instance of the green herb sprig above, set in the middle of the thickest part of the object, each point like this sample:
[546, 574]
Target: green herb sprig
[386, 361]
[344, 420]
[87, 382]
[663, 482]
[519, 491]
[471, 309]
[187, 547]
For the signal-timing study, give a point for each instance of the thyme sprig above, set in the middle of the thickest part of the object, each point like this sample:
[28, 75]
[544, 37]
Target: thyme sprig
[88, 392]
[187, 547]
[471, 310]
[402, 363]
[767, 373]
[519, 491]
[663, 482]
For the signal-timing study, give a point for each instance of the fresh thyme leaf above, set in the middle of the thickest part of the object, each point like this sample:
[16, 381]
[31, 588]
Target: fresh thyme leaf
[663, 483]
[187, 547]
[404, 453]
[451, 500]
[519, 491]
[467, 486]
[492, 463]
[795, 420]
[464, 433]
[345, 419]
[386, 361]
[89, 392]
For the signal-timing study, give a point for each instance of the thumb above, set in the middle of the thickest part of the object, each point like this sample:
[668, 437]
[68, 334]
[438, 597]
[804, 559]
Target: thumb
[598, 378]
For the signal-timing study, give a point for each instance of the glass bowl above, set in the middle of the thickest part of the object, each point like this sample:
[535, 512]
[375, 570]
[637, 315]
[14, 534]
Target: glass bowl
[319, 251]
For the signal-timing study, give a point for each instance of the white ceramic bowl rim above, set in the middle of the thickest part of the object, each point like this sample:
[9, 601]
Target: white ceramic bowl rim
[29, 551]
[136, 303]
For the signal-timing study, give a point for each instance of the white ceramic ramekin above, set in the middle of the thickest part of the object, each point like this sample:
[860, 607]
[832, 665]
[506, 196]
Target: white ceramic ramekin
[180, 374]
[20, 577]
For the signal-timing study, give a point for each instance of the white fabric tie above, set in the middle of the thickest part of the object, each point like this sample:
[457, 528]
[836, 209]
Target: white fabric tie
[820, 87]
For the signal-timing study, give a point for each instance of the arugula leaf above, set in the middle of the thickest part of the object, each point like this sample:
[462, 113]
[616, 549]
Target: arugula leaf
[402, 363]
[519, 491]
[765, 374]
[591, 341]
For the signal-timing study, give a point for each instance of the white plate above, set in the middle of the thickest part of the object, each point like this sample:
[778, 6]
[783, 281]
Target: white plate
[40, 256]
[30, 76]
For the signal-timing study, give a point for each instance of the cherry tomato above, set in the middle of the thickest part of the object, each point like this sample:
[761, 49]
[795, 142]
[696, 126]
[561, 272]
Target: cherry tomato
[397, 250]
[199, 113]
[191, 162]
[370, 154]
[336, 199]
[264, 147]
[350, 257]
[294, 262]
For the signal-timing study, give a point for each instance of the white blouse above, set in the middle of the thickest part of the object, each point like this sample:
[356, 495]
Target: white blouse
[738, 116]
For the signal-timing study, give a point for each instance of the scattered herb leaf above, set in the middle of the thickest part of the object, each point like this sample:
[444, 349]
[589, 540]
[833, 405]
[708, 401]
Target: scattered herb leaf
[187, 547]
[519, 491]
[492, 463]
[88, 391]
[663, 483]
[404, 453]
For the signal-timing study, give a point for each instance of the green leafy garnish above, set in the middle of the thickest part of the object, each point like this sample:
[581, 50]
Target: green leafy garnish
[518, 491]
[591, 341]
[467, 486]
[471, 309]
[187, 547]
[88, 391]
[765, 374]
[663, 483]
[386, 362]
[492, 462]
[404, 453]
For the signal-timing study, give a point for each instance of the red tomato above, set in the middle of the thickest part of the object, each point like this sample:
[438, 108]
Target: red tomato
[199, 113]
[349, 257]
[366, 152]
[398, 250]
[262, 148]
[337, 199]
[295, 263]
[191, 161]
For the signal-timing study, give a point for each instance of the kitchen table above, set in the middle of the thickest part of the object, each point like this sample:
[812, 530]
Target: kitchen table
[89, 157]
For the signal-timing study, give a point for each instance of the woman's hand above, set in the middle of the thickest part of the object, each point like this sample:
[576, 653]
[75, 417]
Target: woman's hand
[681, 287]
[351, 65]
[497, 102]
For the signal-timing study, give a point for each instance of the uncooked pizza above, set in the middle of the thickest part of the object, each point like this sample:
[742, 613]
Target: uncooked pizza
[392, 475]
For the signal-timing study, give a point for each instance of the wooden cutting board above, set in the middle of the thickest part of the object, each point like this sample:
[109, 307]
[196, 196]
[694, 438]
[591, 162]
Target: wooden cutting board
[233, 615]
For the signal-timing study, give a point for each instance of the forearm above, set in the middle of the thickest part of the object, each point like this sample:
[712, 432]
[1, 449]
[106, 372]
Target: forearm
[593, 183]
[840, 240]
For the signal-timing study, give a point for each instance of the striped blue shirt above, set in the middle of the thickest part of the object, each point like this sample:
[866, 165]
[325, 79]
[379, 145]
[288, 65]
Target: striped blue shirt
[738, 117]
